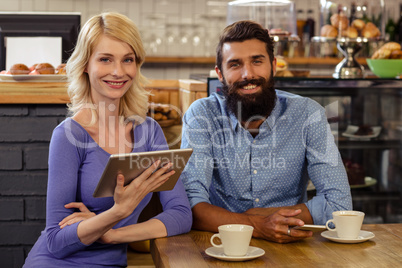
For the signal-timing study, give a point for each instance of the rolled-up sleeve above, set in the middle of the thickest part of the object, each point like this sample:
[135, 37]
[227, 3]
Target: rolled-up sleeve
[197, 176]
[325, 169]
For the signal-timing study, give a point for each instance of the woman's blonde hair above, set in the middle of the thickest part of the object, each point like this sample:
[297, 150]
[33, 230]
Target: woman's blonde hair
[135, 102]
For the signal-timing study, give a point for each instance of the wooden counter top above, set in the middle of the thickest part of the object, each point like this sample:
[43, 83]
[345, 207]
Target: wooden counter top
[384, 250]
[33, 92]
[56, 92]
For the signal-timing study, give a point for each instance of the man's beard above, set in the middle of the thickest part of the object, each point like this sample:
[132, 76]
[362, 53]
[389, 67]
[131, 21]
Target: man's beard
[250, 107]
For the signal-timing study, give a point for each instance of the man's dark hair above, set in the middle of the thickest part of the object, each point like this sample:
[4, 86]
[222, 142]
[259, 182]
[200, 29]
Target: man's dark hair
[241, 31]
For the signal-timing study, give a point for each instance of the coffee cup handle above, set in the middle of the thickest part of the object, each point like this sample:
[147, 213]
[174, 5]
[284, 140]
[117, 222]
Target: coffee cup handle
[212, 241]
[328, 222]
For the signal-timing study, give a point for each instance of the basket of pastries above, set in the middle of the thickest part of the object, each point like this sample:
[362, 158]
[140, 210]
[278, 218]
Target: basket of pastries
[165, 114]
[386, 62]
[341, 27]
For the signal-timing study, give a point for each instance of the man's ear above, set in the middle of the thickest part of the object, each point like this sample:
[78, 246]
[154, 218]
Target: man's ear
[274, 66]
[219, 73]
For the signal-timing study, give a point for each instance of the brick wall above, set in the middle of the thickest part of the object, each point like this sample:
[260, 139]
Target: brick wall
[25, 132]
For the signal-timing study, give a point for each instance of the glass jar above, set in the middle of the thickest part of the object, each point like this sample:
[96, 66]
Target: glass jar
[275, 15]
[278, 16]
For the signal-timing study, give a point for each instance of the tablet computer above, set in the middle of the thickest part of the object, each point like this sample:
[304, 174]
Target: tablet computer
[133, 164]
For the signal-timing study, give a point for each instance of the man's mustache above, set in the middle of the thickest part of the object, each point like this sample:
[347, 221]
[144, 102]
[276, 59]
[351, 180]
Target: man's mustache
[257, 82]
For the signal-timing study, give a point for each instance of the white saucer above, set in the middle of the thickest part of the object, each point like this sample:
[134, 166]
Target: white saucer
[351, 130]
[252, 253]
[363, 236]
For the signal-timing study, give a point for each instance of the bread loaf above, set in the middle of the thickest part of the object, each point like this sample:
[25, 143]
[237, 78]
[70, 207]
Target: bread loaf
[390, 50]
[381, 54]
[370, 30]
[45, 68]
[350, 32]
[392, 46]
[339, 21]
[358, 24]
[18, 69]
[329, 31]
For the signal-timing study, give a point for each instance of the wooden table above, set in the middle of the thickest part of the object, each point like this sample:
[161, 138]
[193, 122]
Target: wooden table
[384, 250]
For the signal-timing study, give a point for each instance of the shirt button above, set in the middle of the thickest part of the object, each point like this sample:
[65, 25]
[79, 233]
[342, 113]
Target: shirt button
[257, 200]
[253, 141]
[255, 171]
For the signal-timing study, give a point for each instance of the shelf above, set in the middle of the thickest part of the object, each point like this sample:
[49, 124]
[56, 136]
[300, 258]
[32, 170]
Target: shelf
[369, 144]
[211, 60]
[192, 60]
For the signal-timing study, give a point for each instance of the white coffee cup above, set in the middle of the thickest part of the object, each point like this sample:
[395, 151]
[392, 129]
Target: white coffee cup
[347, 223]
[235, 239]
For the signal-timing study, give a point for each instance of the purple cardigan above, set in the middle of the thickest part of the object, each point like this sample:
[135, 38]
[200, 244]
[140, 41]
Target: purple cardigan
[76, 163]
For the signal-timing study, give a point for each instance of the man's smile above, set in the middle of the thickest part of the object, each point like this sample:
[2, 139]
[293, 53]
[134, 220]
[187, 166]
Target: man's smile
[249, 88]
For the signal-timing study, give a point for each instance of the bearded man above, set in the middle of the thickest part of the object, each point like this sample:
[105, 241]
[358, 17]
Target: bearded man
[256, 147]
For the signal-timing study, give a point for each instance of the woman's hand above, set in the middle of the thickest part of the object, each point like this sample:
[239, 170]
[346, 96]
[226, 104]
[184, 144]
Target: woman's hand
[127, 197]
[76, 216]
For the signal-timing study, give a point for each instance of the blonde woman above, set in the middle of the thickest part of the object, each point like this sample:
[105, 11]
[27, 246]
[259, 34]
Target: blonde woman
[108, 116]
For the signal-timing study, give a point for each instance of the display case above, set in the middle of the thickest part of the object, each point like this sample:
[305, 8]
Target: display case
[373, 159]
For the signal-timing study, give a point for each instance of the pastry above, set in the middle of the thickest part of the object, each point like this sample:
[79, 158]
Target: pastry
[159, 111]
[18, 69]
[370, 30]
[358, 24]
[281, 64]
[329, 31]
[61, 69]
[381, 54]
[390, 50]
[339, 21]
[392, 46]
[355, 173]
[44, 68]
[350, 32]
[396, 54]
[364, 130]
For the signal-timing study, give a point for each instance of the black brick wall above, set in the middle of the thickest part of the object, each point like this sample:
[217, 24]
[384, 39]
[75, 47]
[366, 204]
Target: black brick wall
[25, 132]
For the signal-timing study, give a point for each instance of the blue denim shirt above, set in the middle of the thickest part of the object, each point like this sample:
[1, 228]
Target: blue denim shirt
[231, 169]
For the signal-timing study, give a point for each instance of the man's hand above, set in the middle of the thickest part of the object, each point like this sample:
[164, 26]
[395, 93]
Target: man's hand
[277, 227]
[270, 223]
